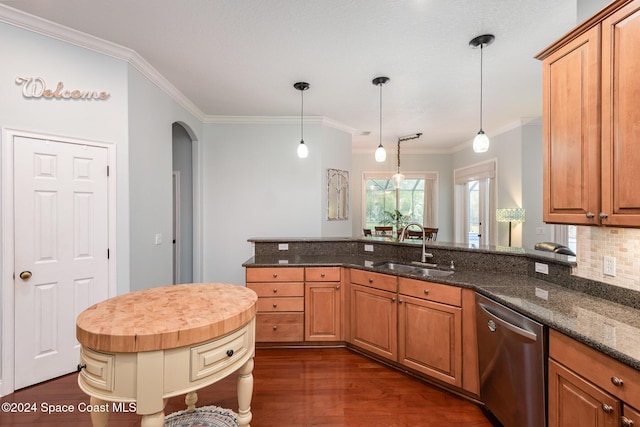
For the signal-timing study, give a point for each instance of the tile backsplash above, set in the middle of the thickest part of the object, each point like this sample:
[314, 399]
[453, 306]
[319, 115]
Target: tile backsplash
[593, 243]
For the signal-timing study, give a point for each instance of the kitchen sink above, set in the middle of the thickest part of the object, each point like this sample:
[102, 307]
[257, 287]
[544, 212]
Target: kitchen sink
[413, 269]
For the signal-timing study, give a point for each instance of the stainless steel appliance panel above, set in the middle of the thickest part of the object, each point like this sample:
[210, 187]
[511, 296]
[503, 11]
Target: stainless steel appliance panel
[512, 352]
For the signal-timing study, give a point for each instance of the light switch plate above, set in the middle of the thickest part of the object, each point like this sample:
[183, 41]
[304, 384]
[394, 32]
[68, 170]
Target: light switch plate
[541, 293]
[368, 248]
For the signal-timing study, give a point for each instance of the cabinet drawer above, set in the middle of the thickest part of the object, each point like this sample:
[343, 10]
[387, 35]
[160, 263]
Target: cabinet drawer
[275, 274]
[280, 304]
[272, 327]
[322, 274]
[277, 289]
[598, 368]
[430, 291]
[375, 280]
[99, 371]
[212, 357]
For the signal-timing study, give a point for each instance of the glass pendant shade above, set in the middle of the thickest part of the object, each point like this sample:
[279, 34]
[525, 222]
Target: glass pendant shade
[303, 151]
[397, 180]
[481, 142]
[381, 154]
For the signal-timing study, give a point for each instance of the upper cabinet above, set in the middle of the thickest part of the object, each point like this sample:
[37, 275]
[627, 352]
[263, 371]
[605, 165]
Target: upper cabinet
[591, 121]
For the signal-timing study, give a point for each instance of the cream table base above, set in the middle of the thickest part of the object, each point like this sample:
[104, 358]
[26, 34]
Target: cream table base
[149, 378]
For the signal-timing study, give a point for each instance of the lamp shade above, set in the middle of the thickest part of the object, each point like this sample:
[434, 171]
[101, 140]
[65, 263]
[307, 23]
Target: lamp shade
[481, 142]
[510, 215]
[381, 154]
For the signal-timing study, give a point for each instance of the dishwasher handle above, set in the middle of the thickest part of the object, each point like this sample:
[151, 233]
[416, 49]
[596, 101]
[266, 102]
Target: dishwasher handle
[510, 326]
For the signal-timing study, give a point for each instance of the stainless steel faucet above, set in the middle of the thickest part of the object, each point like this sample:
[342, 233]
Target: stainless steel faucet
[425, 255]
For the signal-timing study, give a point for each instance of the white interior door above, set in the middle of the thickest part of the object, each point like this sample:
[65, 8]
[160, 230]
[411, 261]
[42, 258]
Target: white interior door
[61, 251]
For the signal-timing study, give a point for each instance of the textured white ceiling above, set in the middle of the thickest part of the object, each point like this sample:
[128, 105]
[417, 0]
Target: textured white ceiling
[241, 57]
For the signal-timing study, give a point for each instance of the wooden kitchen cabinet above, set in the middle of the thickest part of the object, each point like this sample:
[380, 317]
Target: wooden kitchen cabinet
[280, 306]
[430, 329]
[588, 388]
[590, 116]
[323, 304]
[374, 313]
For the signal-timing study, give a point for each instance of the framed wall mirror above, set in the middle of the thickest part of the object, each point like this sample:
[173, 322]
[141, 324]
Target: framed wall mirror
[337, 194]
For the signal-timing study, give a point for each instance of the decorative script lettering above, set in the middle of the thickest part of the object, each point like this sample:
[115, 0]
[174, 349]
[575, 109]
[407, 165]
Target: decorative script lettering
[35, 87]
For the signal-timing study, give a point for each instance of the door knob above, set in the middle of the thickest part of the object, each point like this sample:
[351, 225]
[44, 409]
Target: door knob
[25, 275]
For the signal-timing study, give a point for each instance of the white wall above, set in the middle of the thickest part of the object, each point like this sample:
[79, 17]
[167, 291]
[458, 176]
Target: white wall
[254, 185]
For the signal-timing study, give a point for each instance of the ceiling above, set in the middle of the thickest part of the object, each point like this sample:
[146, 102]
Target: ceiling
[242, 57]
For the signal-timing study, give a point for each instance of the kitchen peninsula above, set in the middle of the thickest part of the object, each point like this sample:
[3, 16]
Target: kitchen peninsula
[580, 314]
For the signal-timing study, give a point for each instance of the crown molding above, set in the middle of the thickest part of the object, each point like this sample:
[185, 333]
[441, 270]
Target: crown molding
[65, 34]
[278, 120]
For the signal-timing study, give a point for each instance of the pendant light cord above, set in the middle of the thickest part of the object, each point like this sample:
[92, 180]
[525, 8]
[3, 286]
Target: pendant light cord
[301, 115]
[398, 156]
[380, 84]
[481, 46]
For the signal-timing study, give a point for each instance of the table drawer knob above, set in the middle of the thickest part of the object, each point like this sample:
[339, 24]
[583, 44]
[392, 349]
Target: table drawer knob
[617, 381]
[81, 367]
[229, 353]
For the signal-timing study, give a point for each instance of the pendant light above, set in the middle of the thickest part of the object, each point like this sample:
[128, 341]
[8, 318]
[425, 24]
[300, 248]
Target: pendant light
[398, 177]
[381, 154]
[303, 151]
[481, 141]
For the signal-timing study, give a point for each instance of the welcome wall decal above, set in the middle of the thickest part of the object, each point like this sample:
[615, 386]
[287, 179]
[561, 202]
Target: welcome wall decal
[36, 87]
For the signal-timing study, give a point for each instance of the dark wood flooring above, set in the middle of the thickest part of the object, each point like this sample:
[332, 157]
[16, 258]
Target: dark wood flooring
[292, 387]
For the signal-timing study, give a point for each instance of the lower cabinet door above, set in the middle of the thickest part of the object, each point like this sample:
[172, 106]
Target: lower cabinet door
[374, 321]
[574, 401]
[430, 338]
[323, 312]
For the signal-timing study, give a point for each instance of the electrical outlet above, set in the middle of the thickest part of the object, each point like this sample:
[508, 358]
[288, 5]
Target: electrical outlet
[542, 268]
[609, 266]
[283, 246]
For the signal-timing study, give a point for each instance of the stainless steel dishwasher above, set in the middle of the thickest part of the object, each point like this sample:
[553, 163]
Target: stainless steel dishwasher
[512, 352]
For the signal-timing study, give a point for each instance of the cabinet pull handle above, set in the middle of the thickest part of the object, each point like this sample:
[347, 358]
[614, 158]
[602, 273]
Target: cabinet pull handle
[626, 422]
[370, 280]
[608, 409]
[338, 287]
[590, 215]
[426, 291]
[275, 275]
[617, 381]
[275, 290]
[603, 215]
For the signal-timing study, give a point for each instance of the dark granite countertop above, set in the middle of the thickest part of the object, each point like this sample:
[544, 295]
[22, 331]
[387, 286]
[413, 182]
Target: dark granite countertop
[610, 327]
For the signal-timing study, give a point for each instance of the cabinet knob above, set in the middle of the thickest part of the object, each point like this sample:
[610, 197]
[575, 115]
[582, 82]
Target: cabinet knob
[275, 327]
[393, 300]
[608, 409]
[321, 274]
[275, 290]
[603, 215]
[370, 280]
[626, 422]
[400, 301]
[275, 305]
[229, 353]
[81, 367]
[426, 291]
[590, 215]
[275, 275]
[338, 287]
[617, 381]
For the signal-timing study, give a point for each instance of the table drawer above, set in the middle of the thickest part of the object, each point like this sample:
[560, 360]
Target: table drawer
[272, 327]
[212, 357]
[275, 274]
[98, 369]
[430, 291]
[277, 289]
[280, 304]
[322, 274]
[375, 280]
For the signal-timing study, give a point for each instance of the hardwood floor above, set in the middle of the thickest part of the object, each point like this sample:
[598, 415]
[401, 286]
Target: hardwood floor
[292, 387]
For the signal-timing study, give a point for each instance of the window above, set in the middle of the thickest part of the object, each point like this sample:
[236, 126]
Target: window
[416, 199]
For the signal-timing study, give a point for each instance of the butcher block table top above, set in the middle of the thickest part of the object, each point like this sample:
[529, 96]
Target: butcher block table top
[165, 317]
